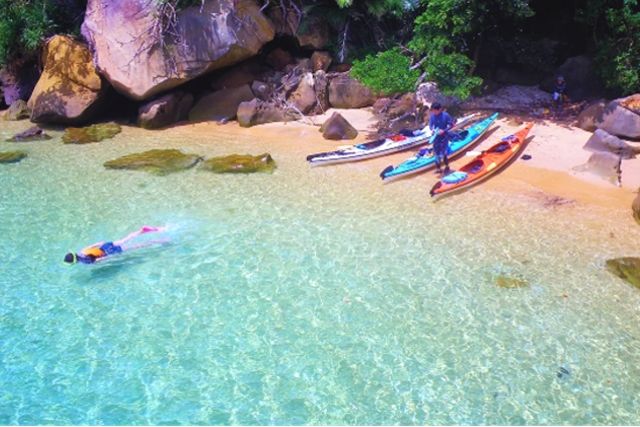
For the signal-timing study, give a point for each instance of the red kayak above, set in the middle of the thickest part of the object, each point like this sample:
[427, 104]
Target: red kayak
[484, 165]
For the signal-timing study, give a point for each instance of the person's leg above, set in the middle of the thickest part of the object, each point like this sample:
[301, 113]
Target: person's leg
[145, 244]
[143, 230]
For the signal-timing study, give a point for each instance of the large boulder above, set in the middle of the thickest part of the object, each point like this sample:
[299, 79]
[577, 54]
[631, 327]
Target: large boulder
[141, 58]
[347, 92]
[337, 127]
[314, 33]
[165, 111]
[428, 93]
[257, 112]
[619, 120]
[510, 99]
[632, 103]
[157, 162]
[604, 164]
[627, 268]
[321, 86]
[635, 207]
[581, 77]
[18, 79]
[91, 134]
[304, 96]
[221, 105]
[602, 141]
[240, 163]
[590, 115]
[17, 111]
[69, 91]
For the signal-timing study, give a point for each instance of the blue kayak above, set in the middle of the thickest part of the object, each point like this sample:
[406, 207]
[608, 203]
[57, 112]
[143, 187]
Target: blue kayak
[425, 159]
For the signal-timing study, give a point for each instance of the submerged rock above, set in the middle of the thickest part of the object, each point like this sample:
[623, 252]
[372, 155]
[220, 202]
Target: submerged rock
[140, 62]
[510, 282]
[158, 162]
[69, 91]
[627, 268]
[240, 163]
[89, 134]
[17, 111]
[337, 127]
[32, 134]
[12, 156]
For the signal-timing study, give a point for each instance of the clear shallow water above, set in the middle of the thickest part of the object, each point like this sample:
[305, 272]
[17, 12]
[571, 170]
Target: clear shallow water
[310, 296]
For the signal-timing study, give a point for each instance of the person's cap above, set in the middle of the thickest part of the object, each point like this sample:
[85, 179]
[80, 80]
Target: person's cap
[560, 78]
[70, 258]
[436, 106]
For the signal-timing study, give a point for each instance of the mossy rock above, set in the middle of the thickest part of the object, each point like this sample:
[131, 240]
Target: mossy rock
[12, 156]
[89, 134]
[240, 163]
[158, 162]
[627, 268]
[510, 282]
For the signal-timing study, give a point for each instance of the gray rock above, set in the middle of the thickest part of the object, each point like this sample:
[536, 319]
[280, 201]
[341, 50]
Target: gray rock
[428, 93]
[347, 92]
[589, 116]
[261, 90]
[211, 36]
[18, 79]
[304, 96]
[17, 111]
[604, 164]
[257, 112]
[32, 134]
[602, 141]
[510, 99]
[337, 127]
[165, 111]
[221, 105]
[619, 120]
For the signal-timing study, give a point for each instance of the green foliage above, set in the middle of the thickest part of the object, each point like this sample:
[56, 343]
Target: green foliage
[386, 73]
[23, 25]
[619, 51]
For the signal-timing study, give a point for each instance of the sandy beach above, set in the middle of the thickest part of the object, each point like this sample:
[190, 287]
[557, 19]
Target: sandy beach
[551, 173]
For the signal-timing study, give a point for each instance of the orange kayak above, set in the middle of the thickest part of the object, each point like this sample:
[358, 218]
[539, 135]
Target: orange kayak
[484, 165]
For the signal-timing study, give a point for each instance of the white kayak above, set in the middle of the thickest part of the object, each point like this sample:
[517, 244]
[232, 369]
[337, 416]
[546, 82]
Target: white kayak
[380, 147]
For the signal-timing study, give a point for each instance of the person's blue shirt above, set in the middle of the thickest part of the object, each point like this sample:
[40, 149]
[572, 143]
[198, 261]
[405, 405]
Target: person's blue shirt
[441, 121]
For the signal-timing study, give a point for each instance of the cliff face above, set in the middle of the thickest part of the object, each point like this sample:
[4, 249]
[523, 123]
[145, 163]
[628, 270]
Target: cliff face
[142, 56]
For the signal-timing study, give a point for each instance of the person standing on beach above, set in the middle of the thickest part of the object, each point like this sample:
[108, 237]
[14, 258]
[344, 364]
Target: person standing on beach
[559, 93]
[440, 123]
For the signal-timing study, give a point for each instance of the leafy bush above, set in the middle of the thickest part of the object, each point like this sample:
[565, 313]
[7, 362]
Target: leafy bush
[386, 73]
[23, 25]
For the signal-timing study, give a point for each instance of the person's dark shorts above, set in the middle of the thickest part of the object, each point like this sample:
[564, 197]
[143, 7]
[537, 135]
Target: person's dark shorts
[440, 145]
[109, 248]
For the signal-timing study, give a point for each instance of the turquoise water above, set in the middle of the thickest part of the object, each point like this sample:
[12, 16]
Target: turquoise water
[310, 296]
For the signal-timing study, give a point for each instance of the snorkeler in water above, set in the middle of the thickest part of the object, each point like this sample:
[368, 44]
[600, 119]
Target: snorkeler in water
[101, 250]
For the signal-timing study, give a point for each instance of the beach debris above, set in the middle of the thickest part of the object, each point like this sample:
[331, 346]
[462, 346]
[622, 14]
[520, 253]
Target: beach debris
[337, 127]
[240, 163]
[526, 157]
[17, 111]
[603, 141]
[90, 134]
[157, 162]
[165, 110]
[627, 268]
[12, 156]
[32, 134]
[510, 282]
[69, 90]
